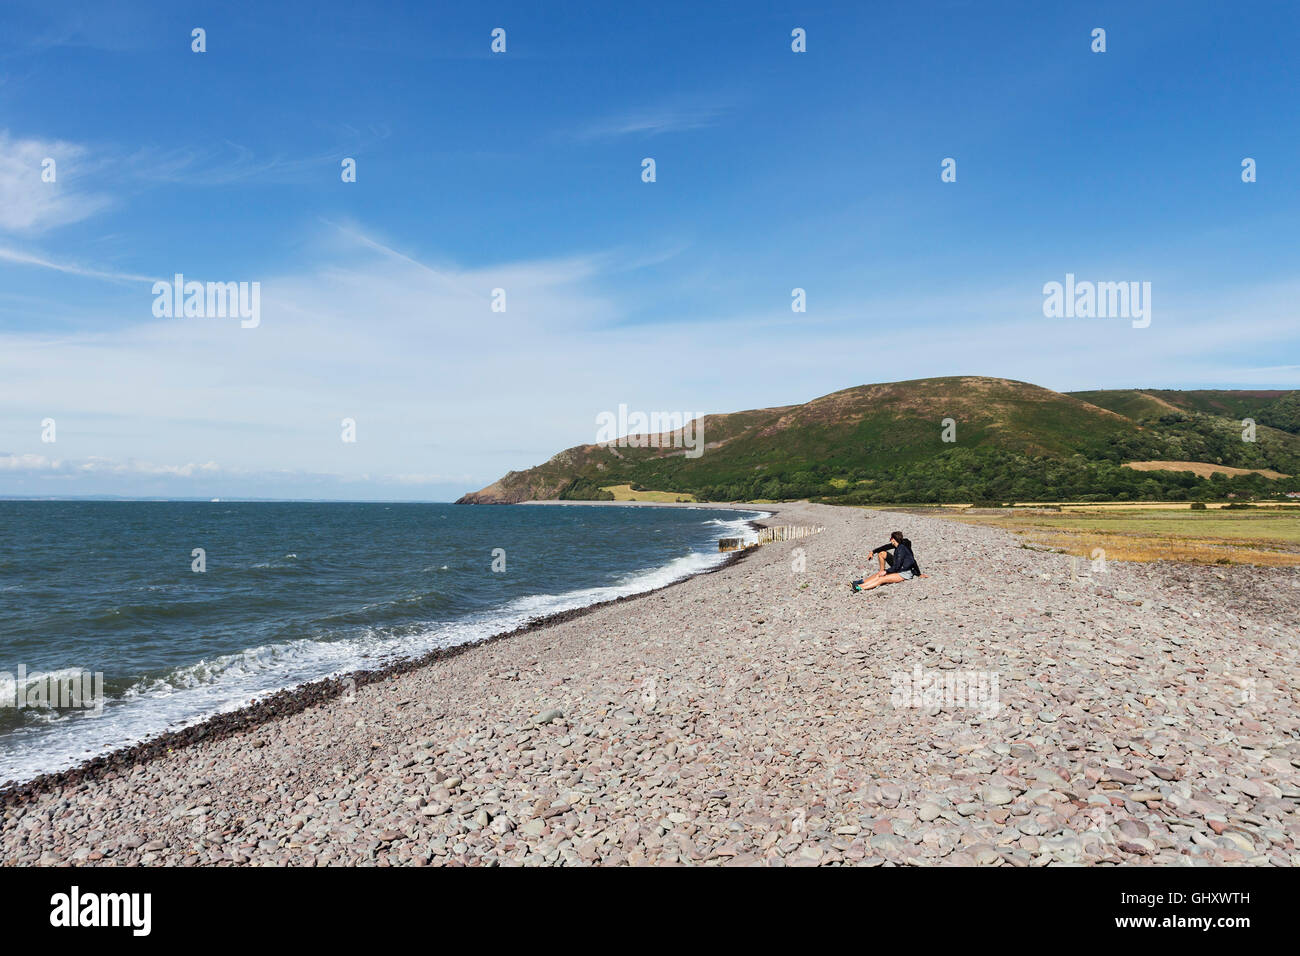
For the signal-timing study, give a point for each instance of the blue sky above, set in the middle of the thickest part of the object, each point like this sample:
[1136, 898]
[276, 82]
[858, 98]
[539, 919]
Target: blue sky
[522, 170]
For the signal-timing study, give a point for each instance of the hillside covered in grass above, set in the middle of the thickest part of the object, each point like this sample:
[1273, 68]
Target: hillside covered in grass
[885, 444]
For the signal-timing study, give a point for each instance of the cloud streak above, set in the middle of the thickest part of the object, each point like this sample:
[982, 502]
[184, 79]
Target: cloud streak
[42, 465]
[18, 257]
[30, 205]
[653, 121]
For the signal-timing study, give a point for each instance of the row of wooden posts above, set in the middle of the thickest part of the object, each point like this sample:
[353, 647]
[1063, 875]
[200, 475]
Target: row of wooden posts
[781, 532]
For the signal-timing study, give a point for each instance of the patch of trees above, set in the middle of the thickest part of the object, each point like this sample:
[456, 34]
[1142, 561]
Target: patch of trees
[985, 475]
[583, 488]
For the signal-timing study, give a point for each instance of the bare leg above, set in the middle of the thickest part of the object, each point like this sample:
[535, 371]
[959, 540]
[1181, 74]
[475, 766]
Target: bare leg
[876, 580]
[869, 581]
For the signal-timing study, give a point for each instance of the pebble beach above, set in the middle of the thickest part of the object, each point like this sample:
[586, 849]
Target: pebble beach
[1147, 714]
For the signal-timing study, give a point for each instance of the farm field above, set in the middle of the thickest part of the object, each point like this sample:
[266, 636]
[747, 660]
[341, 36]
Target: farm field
[625, 493]
[1256, 536]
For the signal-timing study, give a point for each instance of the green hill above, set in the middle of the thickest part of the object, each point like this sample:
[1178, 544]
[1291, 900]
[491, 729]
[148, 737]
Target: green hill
[884, 443]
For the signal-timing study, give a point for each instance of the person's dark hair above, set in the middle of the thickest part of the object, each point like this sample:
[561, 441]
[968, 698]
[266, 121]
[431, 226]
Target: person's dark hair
[898, 536]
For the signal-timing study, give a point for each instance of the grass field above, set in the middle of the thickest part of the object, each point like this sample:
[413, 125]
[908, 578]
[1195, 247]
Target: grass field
[1104, 506]
[1201, 469]
[1139, 533]
[625, 493]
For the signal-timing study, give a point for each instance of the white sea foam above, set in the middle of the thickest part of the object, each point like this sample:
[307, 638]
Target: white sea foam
[9, 686]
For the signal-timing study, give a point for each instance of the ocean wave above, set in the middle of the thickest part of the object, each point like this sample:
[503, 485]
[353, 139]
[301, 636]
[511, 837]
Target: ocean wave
[10, 685]
[196, 691]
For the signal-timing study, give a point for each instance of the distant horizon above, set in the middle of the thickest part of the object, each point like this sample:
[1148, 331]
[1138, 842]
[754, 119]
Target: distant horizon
[453, 496]
[183, 499]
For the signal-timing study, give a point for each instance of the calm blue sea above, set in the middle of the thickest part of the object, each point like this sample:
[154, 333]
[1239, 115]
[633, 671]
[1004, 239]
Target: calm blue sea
[292, 592]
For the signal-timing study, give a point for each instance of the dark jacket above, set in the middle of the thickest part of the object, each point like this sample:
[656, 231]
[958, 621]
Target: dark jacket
[901, 559]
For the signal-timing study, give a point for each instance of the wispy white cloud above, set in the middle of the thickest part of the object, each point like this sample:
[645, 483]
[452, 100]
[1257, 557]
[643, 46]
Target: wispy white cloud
[30, 205]
[41, 464]
[654, 121]
[45, 466]
[229, 162]
[412, 352]
[19, 257]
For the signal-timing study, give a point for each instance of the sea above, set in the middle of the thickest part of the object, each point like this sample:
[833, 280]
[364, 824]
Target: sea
[120, 620]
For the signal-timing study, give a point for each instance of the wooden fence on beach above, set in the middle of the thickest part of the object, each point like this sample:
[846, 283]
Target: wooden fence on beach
[782, 532]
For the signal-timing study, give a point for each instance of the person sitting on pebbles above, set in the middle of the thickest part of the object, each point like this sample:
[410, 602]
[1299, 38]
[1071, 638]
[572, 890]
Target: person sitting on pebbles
[901, 565]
